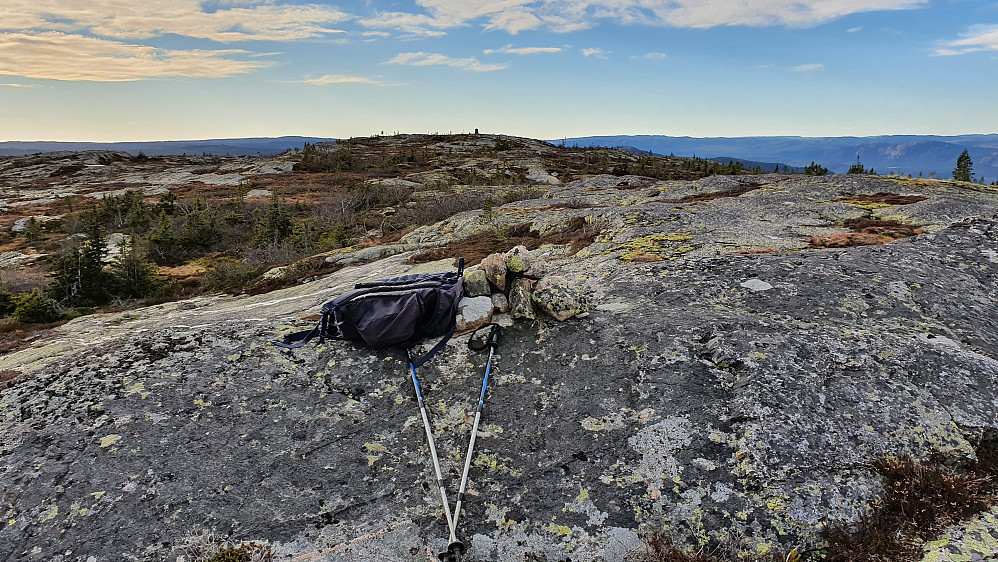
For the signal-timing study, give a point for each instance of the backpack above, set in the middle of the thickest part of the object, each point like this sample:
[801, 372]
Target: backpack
[395, 312]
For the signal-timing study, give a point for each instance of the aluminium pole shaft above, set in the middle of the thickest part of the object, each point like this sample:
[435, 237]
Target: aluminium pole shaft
[471, 446]
[433, 450]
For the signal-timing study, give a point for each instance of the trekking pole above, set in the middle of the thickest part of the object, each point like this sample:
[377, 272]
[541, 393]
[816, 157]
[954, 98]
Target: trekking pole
[433, 448]
[456, 548]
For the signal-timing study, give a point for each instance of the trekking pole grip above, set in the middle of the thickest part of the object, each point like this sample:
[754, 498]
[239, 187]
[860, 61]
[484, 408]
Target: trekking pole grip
[494, 337]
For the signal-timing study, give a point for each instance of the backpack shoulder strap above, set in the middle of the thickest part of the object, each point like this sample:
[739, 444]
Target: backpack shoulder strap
[295, 340]
[429, 354]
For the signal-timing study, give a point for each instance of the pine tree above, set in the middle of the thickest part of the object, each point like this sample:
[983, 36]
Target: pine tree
[138, 214]
[33, 232]
[162, 241]
[275, 225]
[78, 276]
[134, 276]
[815, 169]
[964, 167]
[857, 168]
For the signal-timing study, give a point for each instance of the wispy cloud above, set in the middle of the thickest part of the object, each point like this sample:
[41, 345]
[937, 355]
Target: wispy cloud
[514, 16]
[596, 53]
[18, 85]
[328, 79]
[232, 20]
[978, 38]
[511, 50]
[854, 29]
[59, 56]
[808, 67]
[412, 24]
[655, 56]
[432, 59]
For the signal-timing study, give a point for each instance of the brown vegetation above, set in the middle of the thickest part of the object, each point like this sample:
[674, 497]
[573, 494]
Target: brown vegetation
[577, 234]
[697, 198]
[882, 198]
[866, 232]
[920, 500]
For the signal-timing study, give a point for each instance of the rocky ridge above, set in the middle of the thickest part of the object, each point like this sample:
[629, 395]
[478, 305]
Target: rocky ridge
[729, 386]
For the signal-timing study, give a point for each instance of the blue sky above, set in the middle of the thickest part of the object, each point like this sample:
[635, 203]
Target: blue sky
[108, 70]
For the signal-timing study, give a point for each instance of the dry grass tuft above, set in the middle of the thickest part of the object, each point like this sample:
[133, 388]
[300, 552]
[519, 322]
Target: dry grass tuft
[866, 232]
[920, 500]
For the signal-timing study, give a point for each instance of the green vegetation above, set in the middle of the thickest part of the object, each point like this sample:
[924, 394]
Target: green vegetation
[33, 308]
[858, 168]
[814, 169]
[188, 242]
[964, 167]
[33, 232]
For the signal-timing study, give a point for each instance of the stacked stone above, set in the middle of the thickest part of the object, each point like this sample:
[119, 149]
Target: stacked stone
[513, 284]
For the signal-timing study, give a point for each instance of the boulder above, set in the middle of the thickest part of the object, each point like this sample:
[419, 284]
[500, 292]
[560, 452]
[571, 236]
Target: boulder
[517, 259]
[537, 269]
[257, 194]
[500, 302]
[277, 272]
[519, 300]
[476, 284]
[554, 297]
[473, 313]
[495, 269]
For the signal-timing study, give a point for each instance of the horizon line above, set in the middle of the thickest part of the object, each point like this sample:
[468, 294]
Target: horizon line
[492, 133]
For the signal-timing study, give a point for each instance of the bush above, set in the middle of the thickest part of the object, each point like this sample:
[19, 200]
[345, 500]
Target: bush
[134, 275]
[522, 194]
[275, 225]
[815, 170]
[7, 304]
[229, 276]
[34, 308]
[857, 168]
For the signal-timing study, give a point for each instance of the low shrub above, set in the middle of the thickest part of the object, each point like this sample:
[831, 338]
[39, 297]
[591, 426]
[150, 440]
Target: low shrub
[34, 308]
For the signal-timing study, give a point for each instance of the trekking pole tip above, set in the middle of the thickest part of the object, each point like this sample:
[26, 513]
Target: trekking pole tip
[449, 556]
[457, 547]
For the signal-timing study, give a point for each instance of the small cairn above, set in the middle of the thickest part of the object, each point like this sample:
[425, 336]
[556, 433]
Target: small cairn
[513, 283]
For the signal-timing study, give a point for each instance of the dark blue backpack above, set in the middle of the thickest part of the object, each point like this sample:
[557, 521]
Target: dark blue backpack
[394, 312]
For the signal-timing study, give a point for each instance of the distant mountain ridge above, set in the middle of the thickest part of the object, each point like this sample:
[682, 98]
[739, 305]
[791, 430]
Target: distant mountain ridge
[904, 154]
[264, 146]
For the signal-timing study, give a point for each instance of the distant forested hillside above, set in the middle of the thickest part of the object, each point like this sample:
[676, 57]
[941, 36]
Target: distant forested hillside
[904, 154]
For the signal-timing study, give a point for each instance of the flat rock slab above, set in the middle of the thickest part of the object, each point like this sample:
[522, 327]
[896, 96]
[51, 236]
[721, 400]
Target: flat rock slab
[687, 401]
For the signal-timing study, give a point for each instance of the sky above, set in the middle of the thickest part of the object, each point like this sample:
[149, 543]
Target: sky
[139, 70]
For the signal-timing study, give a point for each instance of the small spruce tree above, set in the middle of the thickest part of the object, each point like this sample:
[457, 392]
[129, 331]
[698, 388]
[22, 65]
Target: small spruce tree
[78, 276]
[33, 232]
[162, 241]
[857, 168]
[274, 227]
[815, 170]
[964, 167]
[134, 275]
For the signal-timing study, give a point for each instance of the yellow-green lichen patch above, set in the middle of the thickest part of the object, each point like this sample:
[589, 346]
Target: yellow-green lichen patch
[655, 247]
[868, 205]
[50, 514]
[375, 452]
[109, 440]
[976, 539]
[491, 462]
[560, 530]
